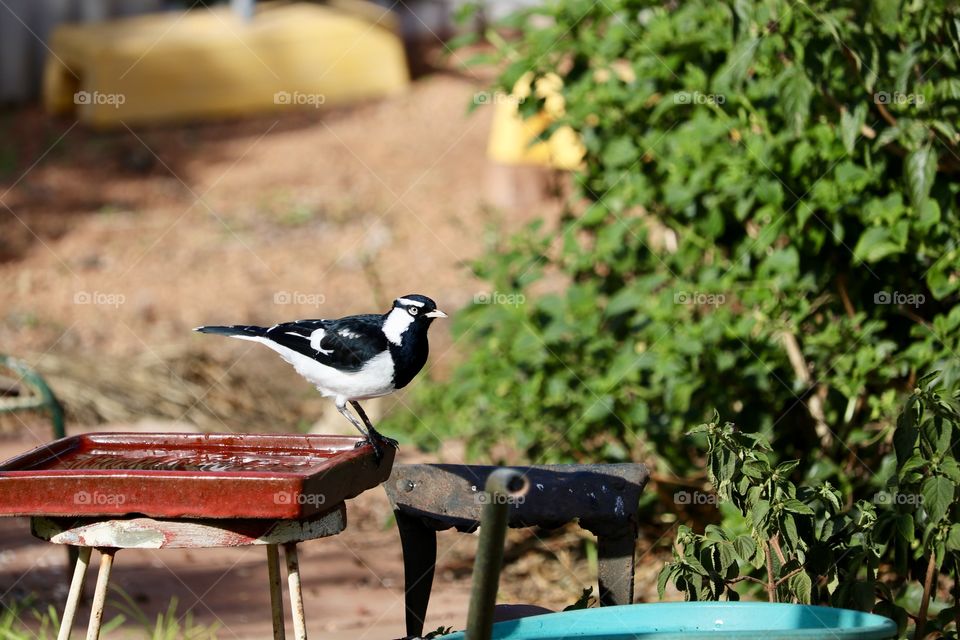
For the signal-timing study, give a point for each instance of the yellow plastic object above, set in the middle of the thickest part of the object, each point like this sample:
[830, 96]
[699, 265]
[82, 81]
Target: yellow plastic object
[511, 135]
[207, 62]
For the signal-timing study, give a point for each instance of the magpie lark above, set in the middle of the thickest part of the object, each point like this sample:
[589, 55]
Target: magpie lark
[352, 358]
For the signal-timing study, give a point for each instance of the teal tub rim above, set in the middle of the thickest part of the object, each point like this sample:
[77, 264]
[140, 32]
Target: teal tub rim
[607, 623]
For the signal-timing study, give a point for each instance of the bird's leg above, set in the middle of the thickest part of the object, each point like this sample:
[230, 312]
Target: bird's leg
[370, 428]
[368, 436]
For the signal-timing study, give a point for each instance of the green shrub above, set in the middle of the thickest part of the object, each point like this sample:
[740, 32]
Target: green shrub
[801, 543]
[766, 224]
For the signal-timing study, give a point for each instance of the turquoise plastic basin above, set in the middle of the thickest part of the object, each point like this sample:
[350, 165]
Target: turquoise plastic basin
[692, 620]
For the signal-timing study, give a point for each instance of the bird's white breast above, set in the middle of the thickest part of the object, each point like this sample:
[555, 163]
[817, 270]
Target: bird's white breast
[373, 380]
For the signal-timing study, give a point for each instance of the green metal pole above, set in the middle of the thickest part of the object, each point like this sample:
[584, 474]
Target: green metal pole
[503, 487]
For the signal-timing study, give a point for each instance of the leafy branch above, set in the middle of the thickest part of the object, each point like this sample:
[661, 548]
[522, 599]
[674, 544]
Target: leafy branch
[795, 542]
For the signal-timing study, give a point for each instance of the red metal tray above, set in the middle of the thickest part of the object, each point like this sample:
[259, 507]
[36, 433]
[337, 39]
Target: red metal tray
[178, 475]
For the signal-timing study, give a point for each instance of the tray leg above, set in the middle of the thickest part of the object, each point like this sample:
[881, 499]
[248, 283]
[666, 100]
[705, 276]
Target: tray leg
[100, 593]
[295, 591]
[276, 592]
[76, 590]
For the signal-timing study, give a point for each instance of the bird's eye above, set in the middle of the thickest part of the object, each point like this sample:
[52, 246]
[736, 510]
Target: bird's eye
[412, 311]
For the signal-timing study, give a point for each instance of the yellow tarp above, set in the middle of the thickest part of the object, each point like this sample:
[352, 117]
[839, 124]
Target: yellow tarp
[207, 62]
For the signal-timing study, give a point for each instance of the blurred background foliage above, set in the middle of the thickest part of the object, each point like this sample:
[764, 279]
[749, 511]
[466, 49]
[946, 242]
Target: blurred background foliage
[764, 224]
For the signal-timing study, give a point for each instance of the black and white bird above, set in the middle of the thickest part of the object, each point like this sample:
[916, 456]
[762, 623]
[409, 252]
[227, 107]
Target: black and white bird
[353, 358]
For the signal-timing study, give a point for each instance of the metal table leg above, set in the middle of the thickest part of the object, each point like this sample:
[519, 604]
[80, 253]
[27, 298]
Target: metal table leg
[100, 593]
[419, 544]
[76, 590]
[617, 566]
[295, 591]
[276, 591]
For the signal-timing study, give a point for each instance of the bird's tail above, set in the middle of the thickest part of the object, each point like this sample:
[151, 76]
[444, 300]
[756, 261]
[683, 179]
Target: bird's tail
[234, 331]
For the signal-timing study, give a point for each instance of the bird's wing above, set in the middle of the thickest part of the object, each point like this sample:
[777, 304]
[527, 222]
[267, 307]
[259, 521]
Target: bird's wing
[345, 344]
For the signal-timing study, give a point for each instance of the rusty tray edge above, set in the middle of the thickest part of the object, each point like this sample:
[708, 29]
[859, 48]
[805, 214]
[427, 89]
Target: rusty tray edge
[190, 494]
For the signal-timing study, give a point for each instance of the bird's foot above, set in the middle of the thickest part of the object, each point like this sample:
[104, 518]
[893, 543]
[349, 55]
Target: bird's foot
[375, 443]
[390, 441]
[376, 440]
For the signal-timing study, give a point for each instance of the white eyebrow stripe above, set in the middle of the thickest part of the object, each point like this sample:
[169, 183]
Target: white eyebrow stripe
[298, 335]
[409, 301]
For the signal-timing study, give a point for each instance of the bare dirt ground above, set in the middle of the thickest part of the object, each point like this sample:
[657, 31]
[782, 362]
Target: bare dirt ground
[114, 245]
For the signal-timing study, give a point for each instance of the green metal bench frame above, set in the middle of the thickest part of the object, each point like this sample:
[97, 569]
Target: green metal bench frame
[41, 399]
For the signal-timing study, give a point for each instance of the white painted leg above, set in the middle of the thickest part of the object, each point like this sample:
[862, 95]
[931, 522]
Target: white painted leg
[76, 590]
[100, 594]
[295, 591]
[276, 591]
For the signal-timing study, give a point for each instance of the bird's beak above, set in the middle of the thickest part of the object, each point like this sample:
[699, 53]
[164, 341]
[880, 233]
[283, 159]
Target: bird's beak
[436, 313]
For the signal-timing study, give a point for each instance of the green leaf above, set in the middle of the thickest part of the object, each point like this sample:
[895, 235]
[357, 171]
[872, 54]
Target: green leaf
[875, 244]
[789, 530]
[795, 94]
[905, 527]
[830, 495]
[695, 565]
[663, 578]
[784, 469]
[904, 66]
[600, 408]
[937, 492]
[745, 547]
[728, 557]
[905, 436]
[760, 511]
[755, 469]
[884, 15]
[953, 538]
[795, 506]
[850, 124]
[920, 169]
[627, 299]
[950, 468]
[802, 587]
[621, 152]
